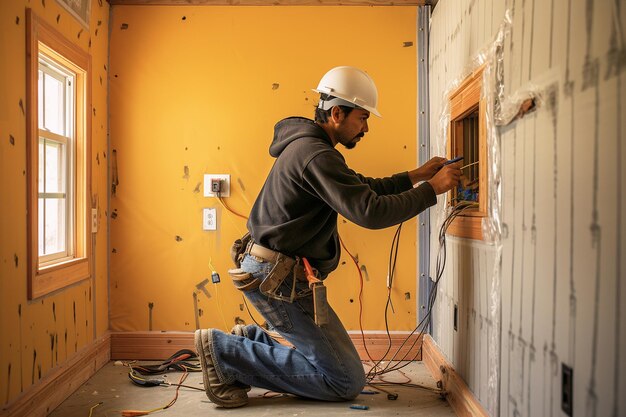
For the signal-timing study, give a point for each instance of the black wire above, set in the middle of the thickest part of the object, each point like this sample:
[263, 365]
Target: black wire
[424, 323]
[184, 360]
[393, 255]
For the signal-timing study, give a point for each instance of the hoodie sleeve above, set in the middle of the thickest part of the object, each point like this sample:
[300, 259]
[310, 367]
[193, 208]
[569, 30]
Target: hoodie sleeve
[355, 198]
[395, 184]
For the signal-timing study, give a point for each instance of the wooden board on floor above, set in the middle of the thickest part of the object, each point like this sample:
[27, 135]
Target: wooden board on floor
[148, 345]
[461, 399]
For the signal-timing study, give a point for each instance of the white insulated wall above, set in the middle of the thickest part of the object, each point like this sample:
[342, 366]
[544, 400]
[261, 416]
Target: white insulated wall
[563, 176]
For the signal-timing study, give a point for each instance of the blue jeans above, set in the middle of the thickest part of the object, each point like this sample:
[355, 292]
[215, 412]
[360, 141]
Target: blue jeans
[324, 364]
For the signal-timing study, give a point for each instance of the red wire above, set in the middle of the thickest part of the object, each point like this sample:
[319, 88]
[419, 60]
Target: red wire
[356, 263]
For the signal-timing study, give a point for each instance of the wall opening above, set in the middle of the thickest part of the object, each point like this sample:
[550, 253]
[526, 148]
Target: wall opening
[467, 138]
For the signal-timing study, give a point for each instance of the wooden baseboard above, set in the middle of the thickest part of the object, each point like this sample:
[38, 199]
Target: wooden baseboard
[50, 391]
[160, 345]
[461, 399]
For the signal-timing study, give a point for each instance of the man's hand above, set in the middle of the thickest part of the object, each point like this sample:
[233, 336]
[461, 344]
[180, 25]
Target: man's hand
[446, 178]
[427, 171]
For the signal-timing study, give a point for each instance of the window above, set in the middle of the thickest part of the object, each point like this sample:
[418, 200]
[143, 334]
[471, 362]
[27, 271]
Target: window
[58, 159]
[467, 138]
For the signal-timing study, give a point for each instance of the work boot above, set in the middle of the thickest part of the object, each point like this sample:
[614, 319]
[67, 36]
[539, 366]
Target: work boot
[223, 395]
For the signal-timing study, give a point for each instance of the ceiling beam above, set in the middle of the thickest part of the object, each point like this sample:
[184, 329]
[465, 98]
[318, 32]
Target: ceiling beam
[270, 2]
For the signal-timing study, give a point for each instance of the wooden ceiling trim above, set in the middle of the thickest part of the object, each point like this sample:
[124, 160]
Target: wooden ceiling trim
[270, 2]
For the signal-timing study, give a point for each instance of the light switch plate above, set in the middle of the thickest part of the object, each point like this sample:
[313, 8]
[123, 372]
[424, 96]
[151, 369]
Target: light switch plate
[209, 219]
[225, 184]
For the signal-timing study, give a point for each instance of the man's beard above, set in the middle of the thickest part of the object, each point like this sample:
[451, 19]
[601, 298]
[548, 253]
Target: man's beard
[353, 142]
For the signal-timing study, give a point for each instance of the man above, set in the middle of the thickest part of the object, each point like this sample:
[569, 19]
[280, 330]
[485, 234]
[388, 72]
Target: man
[295, 217]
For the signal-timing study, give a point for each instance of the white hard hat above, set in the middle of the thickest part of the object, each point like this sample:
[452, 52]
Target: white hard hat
[351, 86]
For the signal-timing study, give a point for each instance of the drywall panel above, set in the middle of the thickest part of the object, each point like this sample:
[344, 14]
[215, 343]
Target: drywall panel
[562, 187]
[38, 335]
[197, 90]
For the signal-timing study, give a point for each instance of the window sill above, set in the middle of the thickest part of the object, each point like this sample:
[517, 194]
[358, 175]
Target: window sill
[46, 280]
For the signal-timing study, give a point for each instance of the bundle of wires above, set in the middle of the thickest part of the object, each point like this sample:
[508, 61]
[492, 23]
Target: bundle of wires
[375, 376]
[184, 360]
[396, 363]
[135, 413]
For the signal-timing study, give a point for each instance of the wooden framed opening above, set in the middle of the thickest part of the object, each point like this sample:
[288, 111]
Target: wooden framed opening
[58, 154]
[467, 138]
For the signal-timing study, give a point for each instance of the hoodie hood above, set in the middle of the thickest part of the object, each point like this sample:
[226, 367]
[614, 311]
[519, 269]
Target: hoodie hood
[292, 128]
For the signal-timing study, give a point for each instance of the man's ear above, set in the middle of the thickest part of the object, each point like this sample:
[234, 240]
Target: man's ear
[336, 114]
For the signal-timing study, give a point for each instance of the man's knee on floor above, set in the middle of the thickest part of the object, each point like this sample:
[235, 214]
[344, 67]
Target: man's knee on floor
[354, 387]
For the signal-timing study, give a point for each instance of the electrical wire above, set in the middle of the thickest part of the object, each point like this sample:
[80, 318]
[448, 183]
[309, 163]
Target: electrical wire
[135, 376]
[217, 295]
[135, 413]
[91, 409]
[440, 266]
[394, 363]
[356, 263]
[393, 255]
[469, 165]
[374, 376]
[179, 361]
[221, 200]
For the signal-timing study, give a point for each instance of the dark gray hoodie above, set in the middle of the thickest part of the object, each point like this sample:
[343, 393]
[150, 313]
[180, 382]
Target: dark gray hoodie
[296, 210]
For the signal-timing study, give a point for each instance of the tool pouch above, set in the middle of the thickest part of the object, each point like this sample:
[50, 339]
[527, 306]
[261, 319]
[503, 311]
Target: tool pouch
[238, 248]
[320, 304]
[283, 266]
[243, 281]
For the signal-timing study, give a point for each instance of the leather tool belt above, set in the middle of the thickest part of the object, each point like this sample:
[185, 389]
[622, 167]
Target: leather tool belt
[283, 266]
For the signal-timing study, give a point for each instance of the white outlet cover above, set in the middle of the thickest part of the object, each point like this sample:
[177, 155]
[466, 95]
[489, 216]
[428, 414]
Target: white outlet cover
[209, 219]
[225, 185]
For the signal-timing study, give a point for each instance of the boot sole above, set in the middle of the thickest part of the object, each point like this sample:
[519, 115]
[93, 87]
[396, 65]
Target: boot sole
[207, 386]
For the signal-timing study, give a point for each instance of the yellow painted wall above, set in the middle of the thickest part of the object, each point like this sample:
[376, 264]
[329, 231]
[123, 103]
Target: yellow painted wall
[197, 90]
[40, 334]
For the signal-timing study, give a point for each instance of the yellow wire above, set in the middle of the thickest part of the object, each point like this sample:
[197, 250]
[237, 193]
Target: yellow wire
[219, 306]
[211, 265]
[91, 409]
[132, 413]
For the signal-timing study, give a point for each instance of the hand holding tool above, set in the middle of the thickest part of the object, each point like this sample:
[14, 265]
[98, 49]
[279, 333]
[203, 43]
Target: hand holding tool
[451, 161]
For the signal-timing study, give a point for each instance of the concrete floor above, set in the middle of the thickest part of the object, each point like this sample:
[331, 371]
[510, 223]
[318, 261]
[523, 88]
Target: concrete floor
[112, 387]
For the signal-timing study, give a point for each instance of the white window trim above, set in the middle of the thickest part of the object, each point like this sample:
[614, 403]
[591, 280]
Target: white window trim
[67, 77]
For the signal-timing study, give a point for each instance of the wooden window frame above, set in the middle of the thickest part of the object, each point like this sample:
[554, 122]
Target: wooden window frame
[464, 101]
[42, 37]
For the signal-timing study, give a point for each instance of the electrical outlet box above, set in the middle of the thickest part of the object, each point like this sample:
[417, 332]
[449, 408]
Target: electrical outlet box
[567, 389]
[456, 318]
[94, 220]
[217, 183]
[209, 219]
